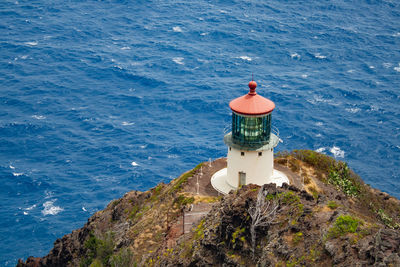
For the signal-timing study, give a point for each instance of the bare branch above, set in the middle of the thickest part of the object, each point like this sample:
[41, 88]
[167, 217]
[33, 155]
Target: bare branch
[262, 214]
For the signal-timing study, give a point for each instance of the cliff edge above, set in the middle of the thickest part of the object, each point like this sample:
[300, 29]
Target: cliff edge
[327, 216]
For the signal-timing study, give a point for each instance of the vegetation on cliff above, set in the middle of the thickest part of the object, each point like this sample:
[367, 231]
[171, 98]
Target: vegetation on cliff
[327, 216]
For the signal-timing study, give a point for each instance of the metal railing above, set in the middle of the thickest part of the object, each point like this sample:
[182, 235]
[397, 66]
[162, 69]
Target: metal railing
[275, 131]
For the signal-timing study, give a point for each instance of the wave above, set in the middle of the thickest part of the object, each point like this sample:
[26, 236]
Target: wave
[50, 208]
[177, 29]
[178, 60]
[38, 117]
[32, 43]
[295, 56]
[337, 152]
[319, 56]
[397, 68]
[353, 110]
[245, 58]
[134, 164]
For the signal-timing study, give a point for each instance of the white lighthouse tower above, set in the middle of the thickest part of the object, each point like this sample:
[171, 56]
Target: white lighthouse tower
[250, 145]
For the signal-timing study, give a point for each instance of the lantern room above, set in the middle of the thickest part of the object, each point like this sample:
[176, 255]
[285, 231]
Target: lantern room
[250, 145]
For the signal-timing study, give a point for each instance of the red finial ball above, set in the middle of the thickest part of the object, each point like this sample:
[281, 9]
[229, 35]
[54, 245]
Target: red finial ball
[252, 85]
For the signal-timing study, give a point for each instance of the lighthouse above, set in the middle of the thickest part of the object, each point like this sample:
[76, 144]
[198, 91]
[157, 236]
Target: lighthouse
[250, 145]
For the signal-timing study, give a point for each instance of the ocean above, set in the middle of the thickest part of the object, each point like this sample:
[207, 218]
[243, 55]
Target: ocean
[98, 98]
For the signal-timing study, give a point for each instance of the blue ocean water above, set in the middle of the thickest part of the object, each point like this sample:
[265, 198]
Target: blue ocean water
[101, 97]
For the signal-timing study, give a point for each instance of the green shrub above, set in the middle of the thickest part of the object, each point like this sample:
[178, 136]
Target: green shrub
[340, 177]
[183, 179]
[314, 192]
[199, 231]
[387, 220]
[181, 200]
[98, 250]
[238, 233]
[289, 198]
[134, 213]
[320, 161]
[96, 263]
[297, 237]
[155, 192]
[332, 204]
[124, 258]
[344, 224]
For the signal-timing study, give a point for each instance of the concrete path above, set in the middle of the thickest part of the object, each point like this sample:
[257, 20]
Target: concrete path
[194, 216]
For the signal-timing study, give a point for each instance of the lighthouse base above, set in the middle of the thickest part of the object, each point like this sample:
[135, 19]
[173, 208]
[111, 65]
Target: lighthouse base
[220, 180]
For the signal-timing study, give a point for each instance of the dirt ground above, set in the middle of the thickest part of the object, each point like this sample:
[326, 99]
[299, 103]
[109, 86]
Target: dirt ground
[203, 177]
[204, 174]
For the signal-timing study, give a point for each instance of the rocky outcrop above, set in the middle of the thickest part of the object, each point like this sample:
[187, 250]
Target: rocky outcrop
[328, 216]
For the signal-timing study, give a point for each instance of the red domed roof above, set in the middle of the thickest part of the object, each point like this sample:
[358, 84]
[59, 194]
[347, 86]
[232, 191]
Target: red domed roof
[252, 104]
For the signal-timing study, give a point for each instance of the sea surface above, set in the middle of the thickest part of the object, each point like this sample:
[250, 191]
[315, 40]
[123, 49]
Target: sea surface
[98, 98]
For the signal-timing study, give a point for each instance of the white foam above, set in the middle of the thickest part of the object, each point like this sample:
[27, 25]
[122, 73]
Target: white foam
[320, 150]
[204, 33]
[12, 167]
[125, 123]
[31, 207]
[143, 146]
[319, 123]
[387, 65]
[374, 108]
[319, 56]
[83, 208]
[337, 152]
[49, 194]
[245, 58]
[50, 209]
[34, 43]
[178, 60]
[319, 99]
[125, 48]
[26, 213]
[134, 164]
[304, 75]
[353, 110]
[295, 56]
[39, 117]
[18, 173]
[397, 34]
[177, 29]
[371, 67]
[397, 68]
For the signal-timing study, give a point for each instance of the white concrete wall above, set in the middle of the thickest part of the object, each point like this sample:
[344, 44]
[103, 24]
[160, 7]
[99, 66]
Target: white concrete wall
[258, 169]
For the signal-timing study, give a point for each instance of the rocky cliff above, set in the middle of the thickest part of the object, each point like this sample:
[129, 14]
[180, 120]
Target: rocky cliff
[326, 217]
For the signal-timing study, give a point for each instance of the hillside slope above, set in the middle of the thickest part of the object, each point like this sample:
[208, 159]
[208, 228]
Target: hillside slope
[328, 216]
